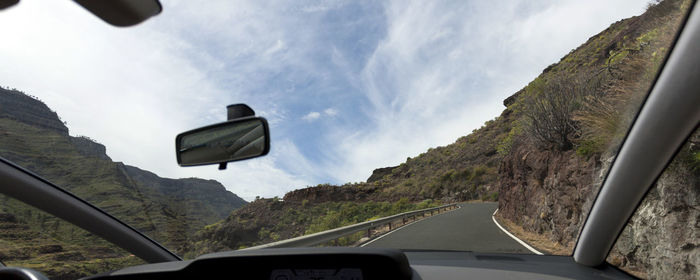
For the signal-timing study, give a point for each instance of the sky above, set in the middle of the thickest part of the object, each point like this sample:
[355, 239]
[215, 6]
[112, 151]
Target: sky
[347, 86]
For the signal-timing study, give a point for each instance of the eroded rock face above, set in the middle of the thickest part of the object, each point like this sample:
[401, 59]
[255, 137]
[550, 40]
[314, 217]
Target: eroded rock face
[326, 193]
[545, 191]
[550, 193]
[90, 148]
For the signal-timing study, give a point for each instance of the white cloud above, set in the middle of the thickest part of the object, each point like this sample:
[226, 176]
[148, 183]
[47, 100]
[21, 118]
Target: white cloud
[311, 116]
[331, 112]
[279, 46]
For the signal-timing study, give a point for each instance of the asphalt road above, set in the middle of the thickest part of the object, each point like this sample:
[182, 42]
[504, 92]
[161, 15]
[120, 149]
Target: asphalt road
[469, 228]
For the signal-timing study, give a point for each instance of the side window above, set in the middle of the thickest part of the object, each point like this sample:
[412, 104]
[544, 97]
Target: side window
[33, 239]
[662, 240]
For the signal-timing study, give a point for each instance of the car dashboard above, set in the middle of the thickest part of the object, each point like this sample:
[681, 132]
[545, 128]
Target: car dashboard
[365, 263]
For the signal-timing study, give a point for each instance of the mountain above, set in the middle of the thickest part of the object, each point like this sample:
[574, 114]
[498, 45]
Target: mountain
[542, 159]
[168, 210]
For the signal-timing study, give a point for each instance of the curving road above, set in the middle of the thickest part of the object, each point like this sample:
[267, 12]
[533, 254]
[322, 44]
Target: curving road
[469, 228]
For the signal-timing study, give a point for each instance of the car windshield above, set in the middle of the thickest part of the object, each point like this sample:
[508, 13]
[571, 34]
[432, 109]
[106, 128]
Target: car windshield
[508, 113]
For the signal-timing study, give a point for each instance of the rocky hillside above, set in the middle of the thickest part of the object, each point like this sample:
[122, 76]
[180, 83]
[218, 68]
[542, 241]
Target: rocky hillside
[547, 187]
[168, 210]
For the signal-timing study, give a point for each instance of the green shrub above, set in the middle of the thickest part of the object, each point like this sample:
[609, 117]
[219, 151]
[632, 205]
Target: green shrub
[479, 170]
[588, 148]
[506, 144]
[447, 176]
[491, 196]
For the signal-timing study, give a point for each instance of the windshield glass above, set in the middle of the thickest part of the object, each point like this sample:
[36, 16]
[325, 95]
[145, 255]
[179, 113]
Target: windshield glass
[513, 110]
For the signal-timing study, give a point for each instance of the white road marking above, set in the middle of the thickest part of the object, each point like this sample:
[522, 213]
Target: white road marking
[513, 236]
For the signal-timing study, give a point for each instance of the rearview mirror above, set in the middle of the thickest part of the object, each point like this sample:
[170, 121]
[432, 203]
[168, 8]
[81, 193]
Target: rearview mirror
[234, 140]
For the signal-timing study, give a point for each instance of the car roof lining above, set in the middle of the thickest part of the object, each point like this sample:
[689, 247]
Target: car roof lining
[29, 188]
[668, 117]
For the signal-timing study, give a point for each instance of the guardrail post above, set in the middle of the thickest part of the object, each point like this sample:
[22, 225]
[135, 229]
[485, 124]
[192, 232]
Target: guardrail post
[369, 232]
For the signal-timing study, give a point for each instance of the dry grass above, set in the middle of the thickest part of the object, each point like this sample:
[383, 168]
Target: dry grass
[547, 246]
[539, 241]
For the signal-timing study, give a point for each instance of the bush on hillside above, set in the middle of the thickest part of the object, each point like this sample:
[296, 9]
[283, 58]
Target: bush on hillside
[548, 108]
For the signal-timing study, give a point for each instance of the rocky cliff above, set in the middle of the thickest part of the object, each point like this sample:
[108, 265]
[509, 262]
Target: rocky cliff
[209, 195]
[547, 192]
[89, 148]
[327, 193]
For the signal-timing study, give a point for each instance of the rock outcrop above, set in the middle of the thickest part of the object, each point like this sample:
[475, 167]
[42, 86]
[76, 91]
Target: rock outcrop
[89, 148]
[379, 173]
[545, 191]
[327, 193]
[18, 106]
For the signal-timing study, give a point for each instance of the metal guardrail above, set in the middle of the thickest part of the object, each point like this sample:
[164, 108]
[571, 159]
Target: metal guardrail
[331, 234]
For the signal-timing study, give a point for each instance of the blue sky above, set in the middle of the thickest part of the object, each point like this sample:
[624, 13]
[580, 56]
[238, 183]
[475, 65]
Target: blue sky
[348, 86]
